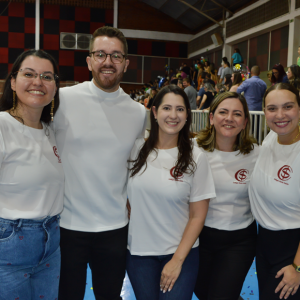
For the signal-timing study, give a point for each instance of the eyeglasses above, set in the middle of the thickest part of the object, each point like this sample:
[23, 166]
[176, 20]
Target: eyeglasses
[100, 56]
[46, 77]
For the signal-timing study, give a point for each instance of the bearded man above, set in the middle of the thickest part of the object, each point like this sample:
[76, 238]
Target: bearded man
[95, 127]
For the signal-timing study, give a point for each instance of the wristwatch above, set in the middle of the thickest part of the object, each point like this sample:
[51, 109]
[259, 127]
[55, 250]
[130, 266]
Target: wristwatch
[297, 268]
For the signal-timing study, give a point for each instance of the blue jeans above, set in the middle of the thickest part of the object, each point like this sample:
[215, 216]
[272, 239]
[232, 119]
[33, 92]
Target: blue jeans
[29, 259]
[144, 273]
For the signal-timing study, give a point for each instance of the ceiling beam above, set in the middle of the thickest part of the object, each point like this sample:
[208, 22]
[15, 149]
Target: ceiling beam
[200, 12]
[215, 2]
[203, 5]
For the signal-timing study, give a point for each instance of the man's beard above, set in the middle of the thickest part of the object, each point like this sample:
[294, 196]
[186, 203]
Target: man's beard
[108, 84]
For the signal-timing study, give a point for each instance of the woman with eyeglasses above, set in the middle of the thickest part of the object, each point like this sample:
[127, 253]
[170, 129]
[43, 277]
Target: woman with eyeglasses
[278, 74]
[31, 180]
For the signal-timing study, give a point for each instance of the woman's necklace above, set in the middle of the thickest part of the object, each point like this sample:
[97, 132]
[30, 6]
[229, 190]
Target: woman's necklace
[294, 139]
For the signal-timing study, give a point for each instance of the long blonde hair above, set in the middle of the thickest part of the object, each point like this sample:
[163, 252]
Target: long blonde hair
[206, 138]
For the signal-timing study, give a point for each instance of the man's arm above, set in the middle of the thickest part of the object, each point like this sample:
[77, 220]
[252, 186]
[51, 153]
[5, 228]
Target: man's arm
[243, 87]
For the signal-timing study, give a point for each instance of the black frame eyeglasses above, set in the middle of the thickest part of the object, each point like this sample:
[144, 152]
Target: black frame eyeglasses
[100, 56]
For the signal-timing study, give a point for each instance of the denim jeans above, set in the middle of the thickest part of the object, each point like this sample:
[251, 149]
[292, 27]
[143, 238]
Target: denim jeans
[29, 259]
[144, 273]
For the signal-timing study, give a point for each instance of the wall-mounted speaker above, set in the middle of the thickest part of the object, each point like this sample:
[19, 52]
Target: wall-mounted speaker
[217, 39]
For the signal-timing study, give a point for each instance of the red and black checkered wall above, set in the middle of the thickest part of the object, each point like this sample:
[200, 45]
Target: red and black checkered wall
[17, 33]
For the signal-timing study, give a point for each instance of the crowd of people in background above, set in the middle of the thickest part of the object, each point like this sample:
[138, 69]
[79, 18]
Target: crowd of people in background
[203, 81]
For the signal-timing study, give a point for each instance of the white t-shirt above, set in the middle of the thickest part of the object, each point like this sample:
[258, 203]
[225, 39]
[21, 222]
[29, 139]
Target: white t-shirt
[31, 174]
[160, 204]
[230, 209]
[275, 185]
[95, 132]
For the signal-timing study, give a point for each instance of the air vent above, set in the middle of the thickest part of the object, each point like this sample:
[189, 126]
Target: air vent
[79, 41]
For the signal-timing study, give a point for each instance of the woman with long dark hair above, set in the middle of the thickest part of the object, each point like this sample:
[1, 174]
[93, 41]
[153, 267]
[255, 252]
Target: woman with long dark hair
[169, 188]
[278, 74]
[31, 179]
[293, 75]
[237, 80]
[228, 82]
[228, 239]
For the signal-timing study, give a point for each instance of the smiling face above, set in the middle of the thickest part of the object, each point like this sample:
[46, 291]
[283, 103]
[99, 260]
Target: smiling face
[171, 115]
[33, 92]
[229, 120]
[107, 75]
[282, 113]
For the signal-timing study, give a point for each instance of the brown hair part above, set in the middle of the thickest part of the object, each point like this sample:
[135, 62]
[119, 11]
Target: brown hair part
[110, 32]
[282, 86]
[187, 80]
[206, 138]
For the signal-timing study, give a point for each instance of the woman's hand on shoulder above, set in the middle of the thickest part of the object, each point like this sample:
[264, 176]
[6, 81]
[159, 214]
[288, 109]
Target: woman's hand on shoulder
[169, 275]
[289, 283]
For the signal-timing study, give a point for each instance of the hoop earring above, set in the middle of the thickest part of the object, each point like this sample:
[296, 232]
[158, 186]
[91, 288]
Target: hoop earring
[52, 107]
[14, 100]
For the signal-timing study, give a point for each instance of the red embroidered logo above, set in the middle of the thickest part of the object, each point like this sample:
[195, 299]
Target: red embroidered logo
[241, 175]
[56, 154]
[284, 173]
[179, 175]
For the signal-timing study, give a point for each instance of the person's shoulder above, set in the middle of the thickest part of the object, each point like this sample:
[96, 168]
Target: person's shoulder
[75, 89]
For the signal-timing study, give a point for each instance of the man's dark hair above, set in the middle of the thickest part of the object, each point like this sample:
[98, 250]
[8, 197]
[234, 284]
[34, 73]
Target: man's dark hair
[109, 32]
[208, 75]
[187, 80]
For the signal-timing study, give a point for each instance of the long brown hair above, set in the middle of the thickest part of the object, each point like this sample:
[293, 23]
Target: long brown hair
[207, 137]
[185, 162]
[237, 78]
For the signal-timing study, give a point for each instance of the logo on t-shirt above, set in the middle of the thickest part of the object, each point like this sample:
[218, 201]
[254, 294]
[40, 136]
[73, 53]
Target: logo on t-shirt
[56, 154]
[284, 174]
[241, 176]
[179, 175]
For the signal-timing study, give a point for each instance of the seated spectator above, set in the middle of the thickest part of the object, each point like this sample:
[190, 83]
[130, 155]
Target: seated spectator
[178, 73]
[237, 57]
[208, 96]
[278, 74]
[190, 92]
[237, 80]
[207, 68]
[174, 80]
[269, 75]
[200, 75]
[226, 70]
[220, 88]
[224, 59]
[180, 83]
[214, 76]
[200, 93]
[151, 97]
[293, 75]
[208, 77]
[228, 82]
[185, 71]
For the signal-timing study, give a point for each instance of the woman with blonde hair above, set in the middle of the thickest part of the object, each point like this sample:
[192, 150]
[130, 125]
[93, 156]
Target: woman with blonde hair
[228, 239]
